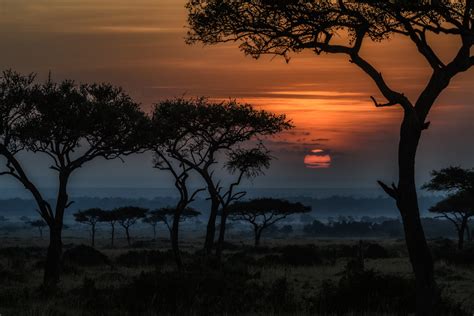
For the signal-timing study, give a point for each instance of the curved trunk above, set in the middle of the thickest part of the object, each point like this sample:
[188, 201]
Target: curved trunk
[407, 203]
[52, 268]
[220, 241]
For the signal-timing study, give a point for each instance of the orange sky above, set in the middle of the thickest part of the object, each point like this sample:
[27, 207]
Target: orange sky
[140, 45]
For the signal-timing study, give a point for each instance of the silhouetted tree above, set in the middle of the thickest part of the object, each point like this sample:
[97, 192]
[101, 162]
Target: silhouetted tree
[71, 125]
[244, 163]
[262, 213]
[459, 183]
[110, 217]
[90, 217]
[282, 27]
[458, 209]
[40, 224]
[203, 131]
[168, 146]
[128, 216]
[152, 220]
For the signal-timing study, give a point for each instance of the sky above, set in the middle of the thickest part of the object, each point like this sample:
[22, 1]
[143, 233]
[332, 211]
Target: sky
[340, 139]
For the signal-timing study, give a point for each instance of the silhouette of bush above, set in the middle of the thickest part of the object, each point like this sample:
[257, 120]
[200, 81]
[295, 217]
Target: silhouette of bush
[361, 291]
[241, 258]
[446, 249]
[140, 258]
[375, 251]
[84, 256]
[213, 293]
[301, 255]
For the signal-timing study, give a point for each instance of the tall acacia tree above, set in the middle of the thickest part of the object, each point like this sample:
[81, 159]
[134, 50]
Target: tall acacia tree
[242, 163]
[71, 125]
[202, 132]
[282, 27]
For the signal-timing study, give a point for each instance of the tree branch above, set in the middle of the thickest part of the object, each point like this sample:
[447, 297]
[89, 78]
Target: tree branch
[391, 191]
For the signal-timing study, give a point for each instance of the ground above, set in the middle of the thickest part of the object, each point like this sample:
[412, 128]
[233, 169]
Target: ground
[298, 276]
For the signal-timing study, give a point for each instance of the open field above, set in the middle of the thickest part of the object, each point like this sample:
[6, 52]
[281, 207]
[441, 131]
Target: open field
[286, 277]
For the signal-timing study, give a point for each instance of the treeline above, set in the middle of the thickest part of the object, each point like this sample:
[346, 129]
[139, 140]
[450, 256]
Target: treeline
[367, 228]
[322, 207]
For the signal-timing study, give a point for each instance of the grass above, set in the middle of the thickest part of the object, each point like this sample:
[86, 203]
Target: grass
[264, 286]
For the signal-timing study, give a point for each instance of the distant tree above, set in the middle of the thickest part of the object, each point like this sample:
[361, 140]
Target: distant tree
[128, 216]
[40, 224]
[203, 132]
[458, 208]
[166, 215]
[71, 125]
[152, 220]
[343, 27]
[110, 217]
[262, 213]
[90, 217]
[459, 184]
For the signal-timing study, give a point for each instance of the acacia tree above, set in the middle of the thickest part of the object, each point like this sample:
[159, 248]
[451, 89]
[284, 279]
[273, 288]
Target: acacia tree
[169, 216]
[244, 163]
[263, 213]
[152, 220]
[110, 217]
[203, 131]
[458, 209]
[283, 27]
[89, 217]
[128, 216]
[40, 224]
[169, 145]
[71, 125]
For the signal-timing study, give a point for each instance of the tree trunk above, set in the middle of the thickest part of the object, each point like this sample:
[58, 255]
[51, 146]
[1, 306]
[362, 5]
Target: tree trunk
[468, 232]
[113, 235]
[174, 236]
[258, 234]
[211, 226]
[93, 236]
[407, 202]
[220, 242]
[53, 258]
[461, 232]
[127, 233]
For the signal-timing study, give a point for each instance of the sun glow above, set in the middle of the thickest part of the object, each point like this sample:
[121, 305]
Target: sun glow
[318, 159]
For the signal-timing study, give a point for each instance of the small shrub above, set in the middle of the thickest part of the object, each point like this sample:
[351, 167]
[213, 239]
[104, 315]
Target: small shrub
[84, 256]
[301, 255]
[375, 251]
[140, 258]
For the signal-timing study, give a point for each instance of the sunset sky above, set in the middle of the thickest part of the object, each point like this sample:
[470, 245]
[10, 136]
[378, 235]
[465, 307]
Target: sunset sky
[340, 139]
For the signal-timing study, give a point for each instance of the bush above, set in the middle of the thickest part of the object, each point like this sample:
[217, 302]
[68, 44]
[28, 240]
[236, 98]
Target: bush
[220, 292]
[85, 256]
[140, 258]
[304, 255]
[361, 291]
[375, 251]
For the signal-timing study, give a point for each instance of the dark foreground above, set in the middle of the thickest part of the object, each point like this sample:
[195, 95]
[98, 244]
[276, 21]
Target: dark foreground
[284, 278]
